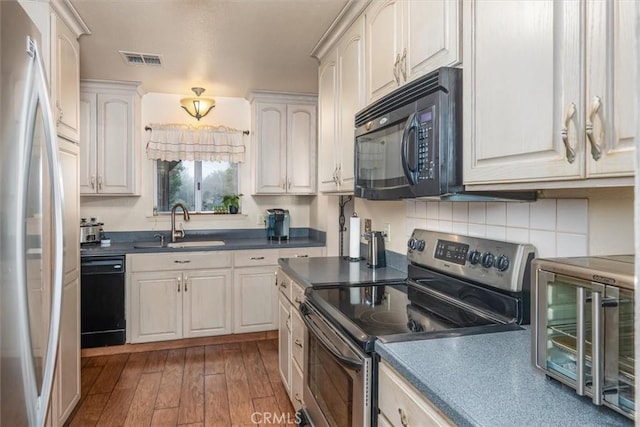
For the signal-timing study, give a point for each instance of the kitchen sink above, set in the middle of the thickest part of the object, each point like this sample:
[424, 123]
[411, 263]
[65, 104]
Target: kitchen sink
[196, 244]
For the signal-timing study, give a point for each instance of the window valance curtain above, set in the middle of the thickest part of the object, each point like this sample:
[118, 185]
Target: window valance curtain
[174, 142]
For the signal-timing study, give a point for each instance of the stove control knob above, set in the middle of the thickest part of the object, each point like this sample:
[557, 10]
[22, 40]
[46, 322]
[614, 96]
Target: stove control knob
[412, 243]
[420, 245]
[502, 263]
[474, 257]
[414, 326]
[487, 260]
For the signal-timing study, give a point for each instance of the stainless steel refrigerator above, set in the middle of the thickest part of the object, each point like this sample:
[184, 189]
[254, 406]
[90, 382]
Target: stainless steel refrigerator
[31, 226]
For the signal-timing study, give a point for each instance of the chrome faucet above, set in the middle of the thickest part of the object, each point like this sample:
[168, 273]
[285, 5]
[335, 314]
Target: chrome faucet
[178, 233]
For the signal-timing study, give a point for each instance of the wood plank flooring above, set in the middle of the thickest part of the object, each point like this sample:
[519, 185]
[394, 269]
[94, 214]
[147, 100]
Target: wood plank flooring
[204, 385]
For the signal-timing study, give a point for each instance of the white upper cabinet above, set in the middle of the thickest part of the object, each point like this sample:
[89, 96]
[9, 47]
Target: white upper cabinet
[384, 47]
[110, 118]
[341, 96]
[284, 136]
[611, 107]
[66, 80]
[529, 101]
[407, 39]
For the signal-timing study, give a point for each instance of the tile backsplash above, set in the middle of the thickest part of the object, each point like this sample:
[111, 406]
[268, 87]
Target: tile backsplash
[556, 227]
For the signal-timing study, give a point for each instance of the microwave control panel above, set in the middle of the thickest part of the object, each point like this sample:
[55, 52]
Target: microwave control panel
[426, 166]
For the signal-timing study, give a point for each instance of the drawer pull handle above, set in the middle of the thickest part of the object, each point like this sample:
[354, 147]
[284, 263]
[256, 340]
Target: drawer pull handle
[403, 418]
[256, 258]
[186, 282]
[298, 343]
[570, 152]
[298, 300]
[177, 261]
[297, 398]
[596, 151]
[283, 285]
[302, 256]
[179, 281]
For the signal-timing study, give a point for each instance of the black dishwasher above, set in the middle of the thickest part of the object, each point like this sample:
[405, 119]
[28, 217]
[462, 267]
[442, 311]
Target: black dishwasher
[102, 320]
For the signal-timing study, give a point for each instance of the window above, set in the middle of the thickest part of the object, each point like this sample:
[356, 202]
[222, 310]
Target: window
[199, 185]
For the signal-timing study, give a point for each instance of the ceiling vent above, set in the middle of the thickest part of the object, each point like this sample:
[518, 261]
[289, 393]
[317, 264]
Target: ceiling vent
[134, 58]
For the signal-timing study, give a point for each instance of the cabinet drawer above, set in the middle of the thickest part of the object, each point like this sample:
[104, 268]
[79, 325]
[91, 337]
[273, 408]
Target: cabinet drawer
[297, 294]
[402, 404]
[297, 337]
[251, 258]
[285, 284]
[296, 386]
[178, 261]
[301, 252]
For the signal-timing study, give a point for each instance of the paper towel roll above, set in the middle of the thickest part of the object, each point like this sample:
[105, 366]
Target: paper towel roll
[354, 237]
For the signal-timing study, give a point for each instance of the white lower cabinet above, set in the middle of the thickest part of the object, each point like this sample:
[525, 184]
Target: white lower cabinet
[291, 338]
[194, 301]
[284, 341]
[255, 299]
[400, 404]
[198, 294]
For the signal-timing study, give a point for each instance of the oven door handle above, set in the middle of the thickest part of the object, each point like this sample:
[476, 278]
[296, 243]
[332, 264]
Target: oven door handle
[347, 362]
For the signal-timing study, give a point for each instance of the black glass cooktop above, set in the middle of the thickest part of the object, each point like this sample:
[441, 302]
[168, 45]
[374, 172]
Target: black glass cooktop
[396, 312]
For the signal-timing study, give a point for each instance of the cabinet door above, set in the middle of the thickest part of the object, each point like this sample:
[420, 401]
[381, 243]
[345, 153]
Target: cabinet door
[156, 306]
[611, 100]
[284, 341]
[206, 303]
[518, 90]
[351, 98]
[327, 118]
[67, 80]
[271, 146]
[301, 149]
[384, 47]
[115, 142]
[88, 143]
[432, 36]
[68, 155]
[67, 378]
[402, 404]
[255, 295]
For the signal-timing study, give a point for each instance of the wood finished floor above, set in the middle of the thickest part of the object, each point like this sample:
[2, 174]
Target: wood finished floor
[206, 385]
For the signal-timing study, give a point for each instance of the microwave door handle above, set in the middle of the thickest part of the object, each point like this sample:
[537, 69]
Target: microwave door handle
[596, 348]
[580, 342]
[405, 149]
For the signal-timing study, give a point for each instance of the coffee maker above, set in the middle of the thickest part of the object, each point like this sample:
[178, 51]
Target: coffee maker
[277, 223]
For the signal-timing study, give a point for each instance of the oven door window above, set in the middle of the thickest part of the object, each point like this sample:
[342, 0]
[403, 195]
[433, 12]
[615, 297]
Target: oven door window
[331, 385]
[378, 160]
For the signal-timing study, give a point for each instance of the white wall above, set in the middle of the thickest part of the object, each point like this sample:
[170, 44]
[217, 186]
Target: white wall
[136, 213]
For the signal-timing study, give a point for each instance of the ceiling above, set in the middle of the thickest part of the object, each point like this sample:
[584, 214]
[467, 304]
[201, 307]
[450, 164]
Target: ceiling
[229, 47]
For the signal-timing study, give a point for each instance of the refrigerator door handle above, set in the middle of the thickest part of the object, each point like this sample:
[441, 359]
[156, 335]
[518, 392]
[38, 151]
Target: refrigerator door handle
[37, 94]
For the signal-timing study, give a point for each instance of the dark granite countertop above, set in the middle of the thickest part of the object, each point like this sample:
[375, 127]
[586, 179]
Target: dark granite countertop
[325, 270]
[488, 380]
[144, 243]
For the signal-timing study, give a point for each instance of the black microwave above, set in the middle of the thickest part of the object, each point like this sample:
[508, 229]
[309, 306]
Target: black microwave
[409, 143]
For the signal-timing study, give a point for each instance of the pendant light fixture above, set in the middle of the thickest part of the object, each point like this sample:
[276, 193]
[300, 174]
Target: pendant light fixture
[198, 107]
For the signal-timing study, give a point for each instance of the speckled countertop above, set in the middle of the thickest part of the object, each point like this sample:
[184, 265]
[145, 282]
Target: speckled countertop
[315, 271]
[230, 244]
[488, 380]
